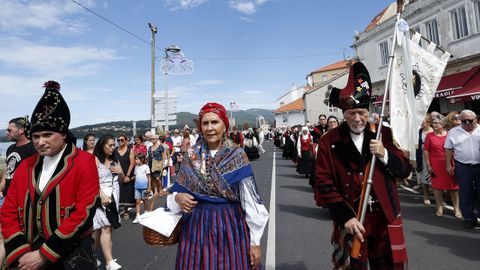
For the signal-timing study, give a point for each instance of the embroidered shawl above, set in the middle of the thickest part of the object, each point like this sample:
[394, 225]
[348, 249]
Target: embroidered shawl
[215, 179]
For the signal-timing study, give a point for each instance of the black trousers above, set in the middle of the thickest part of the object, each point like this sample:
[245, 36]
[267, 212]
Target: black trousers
[81, 257]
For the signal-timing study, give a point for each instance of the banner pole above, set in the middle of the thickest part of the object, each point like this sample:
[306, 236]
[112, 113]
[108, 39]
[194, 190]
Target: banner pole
[367, 183]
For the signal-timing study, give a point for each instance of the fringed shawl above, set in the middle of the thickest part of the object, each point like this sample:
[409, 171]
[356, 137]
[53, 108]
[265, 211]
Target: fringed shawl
[215, 179]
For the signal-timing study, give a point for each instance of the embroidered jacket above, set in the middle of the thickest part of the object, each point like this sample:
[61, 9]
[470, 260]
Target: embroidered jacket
[340, 168]
[58, 217]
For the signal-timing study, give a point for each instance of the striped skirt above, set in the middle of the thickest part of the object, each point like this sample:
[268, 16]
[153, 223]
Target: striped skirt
[214, 236]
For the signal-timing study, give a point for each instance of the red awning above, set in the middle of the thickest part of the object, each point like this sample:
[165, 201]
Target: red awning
[470, 91]
[455, 81]
[450, 83]
[462, 86]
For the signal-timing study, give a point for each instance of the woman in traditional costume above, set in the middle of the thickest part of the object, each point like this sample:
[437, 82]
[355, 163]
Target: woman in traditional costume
[224, 216]
[305, 150]
[287, 144]
[251, 145]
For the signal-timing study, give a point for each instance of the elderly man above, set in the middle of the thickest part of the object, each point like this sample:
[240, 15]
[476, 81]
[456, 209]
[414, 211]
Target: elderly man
[47, 215]
[344, 155]
[463, 143]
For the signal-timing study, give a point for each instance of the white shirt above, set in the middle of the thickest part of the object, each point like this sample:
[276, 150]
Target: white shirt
[195, 138]
[256, 215]
[358, 141]
[48, 168]
[177, 141]
[148, 144]
[466, 146]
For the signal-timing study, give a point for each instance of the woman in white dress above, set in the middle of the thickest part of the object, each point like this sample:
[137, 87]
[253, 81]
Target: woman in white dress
[109, 173]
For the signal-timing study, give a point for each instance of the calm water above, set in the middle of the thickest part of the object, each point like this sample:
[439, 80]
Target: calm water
[5, 145]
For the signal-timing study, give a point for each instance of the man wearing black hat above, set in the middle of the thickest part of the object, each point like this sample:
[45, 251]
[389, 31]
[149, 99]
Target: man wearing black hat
[343, 155]
[47, 215]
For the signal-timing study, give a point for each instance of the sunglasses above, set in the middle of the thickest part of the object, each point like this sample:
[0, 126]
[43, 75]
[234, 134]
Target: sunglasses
[456, 117]
[120, 140]
[470, 121]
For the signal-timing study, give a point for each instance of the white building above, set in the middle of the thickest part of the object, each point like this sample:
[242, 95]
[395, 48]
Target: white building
[290, 114]
[293, 94]
[452, 24]
[315, 98]
[290, 109]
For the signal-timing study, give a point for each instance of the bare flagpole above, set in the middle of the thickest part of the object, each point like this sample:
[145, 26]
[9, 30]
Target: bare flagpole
[367, 183]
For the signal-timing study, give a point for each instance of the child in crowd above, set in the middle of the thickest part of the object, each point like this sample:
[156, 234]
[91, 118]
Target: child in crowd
[142, 184]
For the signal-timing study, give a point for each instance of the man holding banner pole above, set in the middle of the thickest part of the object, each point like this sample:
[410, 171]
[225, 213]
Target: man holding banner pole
[341, 169]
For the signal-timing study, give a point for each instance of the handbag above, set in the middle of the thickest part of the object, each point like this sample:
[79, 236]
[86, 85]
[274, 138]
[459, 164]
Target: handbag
[112, 214]
[157, 165]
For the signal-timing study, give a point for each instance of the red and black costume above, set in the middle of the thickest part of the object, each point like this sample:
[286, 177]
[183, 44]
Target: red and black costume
[340, 168]
[317, 132]
[305, 143]
[56, 220]
[339, 176]
[54, 217]
[237, 138]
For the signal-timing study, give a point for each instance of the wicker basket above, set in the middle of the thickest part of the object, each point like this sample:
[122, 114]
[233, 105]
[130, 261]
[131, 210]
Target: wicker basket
[154, 238]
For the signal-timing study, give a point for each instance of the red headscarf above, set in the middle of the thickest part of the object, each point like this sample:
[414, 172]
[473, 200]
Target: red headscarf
[215, 108]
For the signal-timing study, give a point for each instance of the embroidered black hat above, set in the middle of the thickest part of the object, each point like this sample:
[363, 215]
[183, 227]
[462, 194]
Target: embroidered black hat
[357, 93]
[51, 112]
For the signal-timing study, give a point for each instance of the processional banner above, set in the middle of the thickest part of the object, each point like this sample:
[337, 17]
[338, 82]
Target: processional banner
[416, 73]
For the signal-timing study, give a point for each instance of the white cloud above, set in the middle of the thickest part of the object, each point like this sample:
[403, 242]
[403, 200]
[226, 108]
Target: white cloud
[247, 7]
[42, 15]
[14, 86]
[55, 61]
[261, 2]
[184, 4]
[247, 19]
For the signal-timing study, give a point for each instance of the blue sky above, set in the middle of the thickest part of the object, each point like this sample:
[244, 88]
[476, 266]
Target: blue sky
[247, 51]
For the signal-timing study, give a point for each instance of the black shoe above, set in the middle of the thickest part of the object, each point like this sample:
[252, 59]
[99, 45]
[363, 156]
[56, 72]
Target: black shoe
[470, 224]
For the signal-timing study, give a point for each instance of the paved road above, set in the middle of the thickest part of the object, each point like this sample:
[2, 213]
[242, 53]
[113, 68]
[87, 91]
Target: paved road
[302, 230]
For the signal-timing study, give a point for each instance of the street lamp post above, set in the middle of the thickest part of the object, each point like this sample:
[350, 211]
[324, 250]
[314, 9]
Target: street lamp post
[170, 49]
[232, 107]
[154, 30]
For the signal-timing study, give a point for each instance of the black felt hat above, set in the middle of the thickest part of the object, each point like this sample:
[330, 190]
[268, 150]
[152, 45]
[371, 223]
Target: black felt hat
[357, 93]
[51, 112]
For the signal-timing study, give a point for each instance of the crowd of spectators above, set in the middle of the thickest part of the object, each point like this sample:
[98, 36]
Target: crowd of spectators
[446, 169]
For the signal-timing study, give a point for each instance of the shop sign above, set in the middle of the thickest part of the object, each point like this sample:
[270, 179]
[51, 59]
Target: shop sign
[444, 93]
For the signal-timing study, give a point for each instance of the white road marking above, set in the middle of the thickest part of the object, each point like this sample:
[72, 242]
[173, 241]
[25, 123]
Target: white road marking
[416, 192]
[409, 189]
[270, 261]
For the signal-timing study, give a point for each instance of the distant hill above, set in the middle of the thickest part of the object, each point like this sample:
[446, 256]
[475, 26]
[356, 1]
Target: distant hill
[183, 118]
